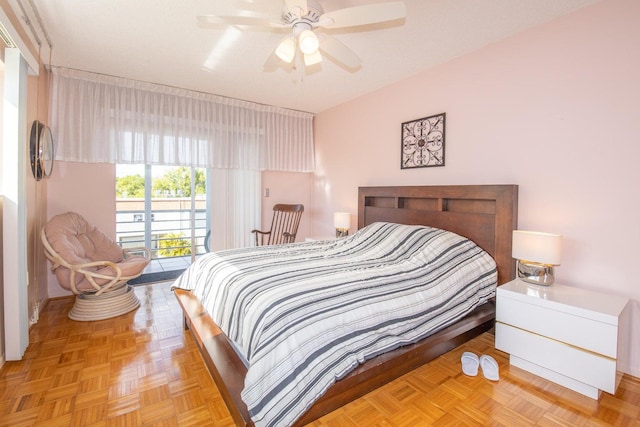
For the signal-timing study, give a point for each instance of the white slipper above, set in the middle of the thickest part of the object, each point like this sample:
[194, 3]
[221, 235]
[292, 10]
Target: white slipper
[489, 368]
[470, 363]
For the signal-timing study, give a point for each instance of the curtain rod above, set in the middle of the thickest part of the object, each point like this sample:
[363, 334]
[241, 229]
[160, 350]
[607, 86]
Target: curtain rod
[51, 67]
[40, 23]
[32, 28]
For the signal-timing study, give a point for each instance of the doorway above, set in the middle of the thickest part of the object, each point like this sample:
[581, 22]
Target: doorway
[163, 208]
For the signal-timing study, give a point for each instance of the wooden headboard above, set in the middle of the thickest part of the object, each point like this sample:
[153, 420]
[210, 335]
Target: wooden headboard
[486, 214]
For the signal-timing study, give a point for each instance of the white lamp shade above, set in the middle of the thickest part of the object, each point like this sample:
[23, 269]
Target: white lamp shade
[342, 220]
[534, 246]
[286, 50]
[312, 58]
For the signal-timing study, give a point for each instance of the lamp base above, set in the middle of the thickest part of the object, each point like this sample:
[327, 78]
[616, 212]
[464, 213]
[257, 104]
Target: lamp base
[341, 232]
[533, 272]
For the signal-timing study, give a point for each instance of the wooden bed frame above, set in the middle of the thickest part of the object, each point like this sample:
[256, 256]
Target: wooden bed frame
[486, 214]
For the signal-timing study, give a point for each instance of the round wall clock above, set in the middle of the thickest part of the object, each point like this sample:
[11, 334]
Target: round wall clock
[41, 150]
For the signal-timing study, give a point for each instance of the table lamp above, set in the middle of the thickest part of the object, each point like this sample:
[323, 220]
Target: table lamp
[342, 223]
[536, 254]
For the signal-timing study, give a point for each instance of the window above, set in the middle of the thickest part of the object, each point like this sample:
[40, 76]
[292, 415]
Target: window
[162, 208]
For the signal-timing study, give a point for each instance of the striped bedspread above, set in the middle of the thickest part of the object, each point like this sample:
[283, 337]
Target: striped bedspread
[306, 314]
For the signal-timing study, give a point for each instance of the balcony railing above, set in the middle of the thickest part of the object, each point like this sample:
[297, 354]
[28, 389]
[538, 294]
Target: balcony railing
[170, 226]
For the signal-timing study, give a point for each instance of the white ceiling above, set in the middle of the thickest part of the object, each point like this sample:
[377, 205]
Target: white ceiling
[160, 41]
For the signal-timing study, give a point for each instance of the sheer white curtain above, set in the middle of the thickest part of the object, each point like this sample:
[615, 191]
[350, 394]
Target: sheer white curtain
[235, 208]
[104, 119]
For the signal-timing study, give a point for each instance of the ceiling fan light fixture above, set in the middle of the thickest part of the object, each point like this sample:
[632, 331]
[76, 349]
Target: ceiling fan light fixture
[286, 50]
[302, 45]
[312, 58]
[308, 42]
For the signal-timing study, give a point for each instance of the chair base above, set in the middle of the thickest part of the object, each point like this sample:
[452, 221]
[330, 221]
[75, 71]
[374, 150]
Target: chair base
[110, 304]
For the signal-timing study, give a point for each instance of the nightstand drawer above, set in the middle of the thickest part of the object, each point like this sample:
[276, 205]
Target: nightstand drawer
[592, 335]
[584, 366]
[571, 336]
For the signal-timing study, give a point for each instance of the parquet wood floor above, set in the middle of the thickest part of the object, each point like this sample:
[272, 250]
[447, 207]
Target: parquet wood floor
[143, 369]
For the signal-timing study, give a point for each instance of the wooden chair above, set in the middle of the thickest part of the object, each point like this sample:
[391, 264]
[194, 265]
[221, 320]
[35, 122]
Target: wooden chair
[284, 225]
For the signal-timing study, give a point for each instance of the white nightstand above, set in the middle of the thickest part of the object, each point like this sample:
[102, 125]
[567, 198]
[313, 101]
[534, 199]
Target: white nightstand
[571, 336]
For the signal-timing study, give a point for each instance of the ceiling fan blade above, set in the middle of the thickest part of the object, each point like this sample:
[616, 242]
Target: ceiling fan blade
[363, 15]
[244, 12]
[272, 62]
[300, 7]
[253, 21]
[341, 53]
[246, 7]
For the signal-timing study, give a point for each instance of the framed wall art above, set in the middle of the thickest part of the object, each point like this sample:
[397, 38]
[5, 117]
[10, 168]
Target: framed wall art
[422, 142]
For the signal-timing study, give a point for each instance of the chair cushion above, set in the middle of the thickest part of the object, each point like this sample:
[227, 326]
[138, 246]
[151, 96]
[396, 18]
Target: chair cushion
[78, 242]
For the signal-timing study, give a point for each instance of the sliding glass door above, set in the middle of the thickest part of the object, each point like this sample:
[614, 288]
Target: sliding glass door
[163, 208]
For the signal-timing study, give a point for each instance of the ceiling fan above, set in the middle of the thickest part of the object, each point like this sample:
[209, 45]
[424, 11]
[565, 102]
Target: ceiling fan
[302, 18]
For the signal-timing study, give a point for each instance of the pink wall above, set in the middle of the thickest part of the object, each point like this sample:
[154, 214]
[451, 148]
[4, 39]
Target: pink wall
[88, 189]
[554, 110]
[290, 188]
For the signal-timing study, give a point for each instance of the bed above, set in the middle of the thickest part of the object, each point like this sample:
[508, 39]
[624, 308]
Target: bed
[485, 214]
